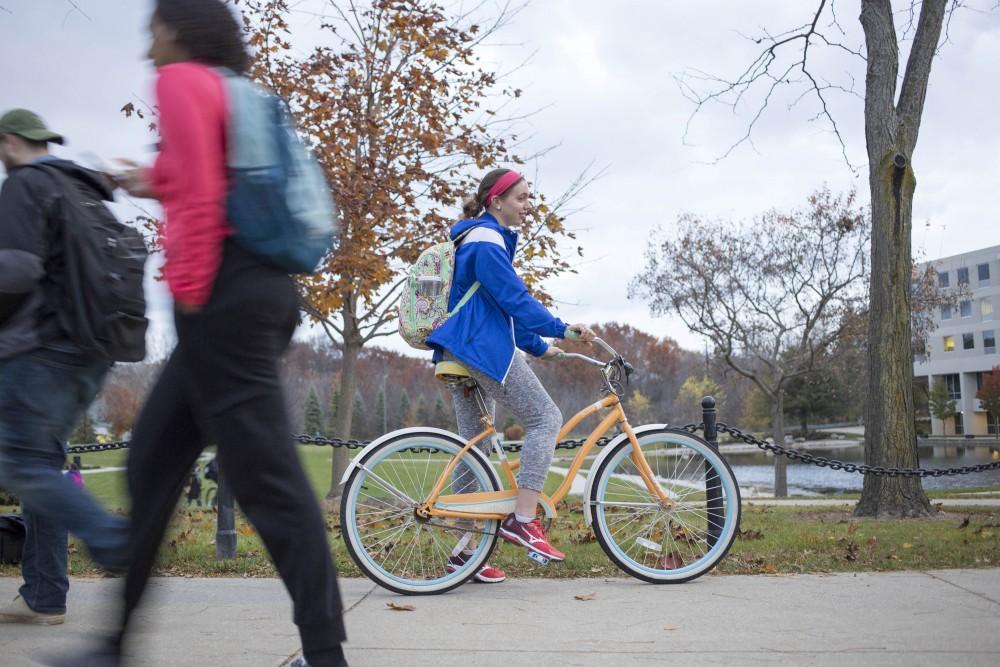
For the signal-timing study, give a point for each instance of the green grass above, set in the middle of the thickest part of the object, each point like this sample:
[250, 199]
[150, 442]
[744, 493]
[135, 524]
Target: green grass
[774, 539]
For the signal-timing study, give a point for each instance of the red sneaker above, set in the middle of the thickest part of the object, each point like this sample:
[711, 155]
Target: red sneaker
[530, 535]
[487, 573]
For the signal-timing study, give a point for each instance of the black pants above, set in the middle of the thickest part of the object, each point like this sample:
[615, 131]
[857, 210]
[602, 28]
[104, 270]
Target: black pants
[221, 386]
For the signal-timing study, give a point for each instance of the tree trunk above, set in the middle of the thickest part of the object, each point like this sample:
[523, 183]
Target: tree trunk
[891, 136]
[350, 351]
[890, 436]
[780, 462]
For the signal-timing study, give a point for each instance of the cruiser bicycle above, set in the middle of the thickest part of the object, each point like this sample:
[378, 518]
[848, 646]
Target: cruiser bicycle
[662, 502]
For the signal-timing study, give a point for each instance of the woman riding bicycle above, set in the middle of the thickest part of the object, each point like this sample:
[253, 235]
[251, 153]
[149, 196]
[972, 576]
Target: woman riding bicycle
[484, 334]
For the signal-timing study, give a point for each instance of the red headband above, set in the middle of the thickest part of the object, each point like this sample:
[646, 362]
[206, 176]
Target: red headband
[503, 184]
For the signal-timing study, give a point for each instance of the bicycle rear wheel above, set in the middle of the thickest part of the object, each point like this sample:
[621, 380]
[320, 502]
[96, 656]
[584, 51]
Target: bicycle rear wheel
[392, 545]
[666, 544]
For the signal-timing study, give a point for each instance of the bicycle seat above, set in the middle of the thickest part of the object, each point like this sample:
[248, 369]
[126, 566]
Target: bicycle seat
[450, 371]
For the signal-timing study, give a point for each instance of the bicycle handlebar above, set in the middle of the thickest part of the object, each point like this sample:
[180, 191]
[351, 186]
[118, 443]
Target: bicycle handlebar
[590, 360]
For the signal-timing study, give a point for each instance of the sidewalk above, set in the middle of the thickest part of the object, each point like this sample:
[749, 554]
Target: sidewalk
[903, 618]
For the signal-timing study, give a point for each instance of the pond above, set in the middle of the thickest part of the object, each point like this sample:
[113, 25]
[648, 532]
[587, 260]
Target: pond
[757, 470]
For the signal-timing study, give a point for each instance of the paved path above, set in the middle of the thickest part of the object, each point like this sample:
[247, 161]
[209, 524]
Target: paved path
[904, 618]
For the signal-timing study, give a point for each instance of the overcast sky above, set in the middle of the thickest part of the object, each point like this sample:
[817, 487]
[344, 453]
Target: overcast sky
[603, 76]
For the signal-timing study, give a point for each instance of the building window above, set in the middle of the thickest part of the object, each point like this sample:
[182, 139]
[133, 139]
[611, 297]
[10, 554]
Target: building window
[945, 312]
[986, 309]
[943, 279]
[959, 424]
[984, 274]
[949, 343]
[965, 308]
[963, 276]
[989, 342]
[968, 341]
[954, 385]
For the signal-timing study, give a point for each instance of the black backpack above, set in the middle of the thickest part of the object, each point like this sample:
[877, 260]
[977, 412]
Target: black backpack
[11, 538]
[103, 307]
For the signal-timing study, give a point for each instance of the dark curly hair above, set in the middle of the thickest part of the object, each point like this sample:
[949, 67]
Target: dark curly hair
[207, 30]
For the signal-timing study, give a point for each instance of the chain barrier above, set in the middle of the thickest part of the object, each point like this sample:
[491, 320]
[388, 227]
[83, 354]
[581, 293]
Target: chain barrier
[97, 447]
[834, 464]
[321, 441]
[513, 447]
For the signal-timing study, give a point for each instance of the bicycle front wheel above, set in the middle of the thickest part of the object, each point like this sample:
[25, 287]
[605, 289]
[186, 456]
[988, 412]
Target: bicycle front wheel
[393, 546]
[666, 543]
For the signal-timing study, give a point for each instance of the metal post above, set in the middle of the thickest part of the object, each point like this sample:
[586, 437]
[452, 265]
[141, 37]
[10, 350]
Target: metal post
[713, 490]
[225, 530]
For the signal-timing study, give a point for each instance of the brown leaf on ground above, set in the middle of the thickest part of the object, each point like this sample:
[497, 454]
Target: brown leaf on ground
[246, 530]
[671, 560]
[585, 597]
[851, 527]
[769, 569]
[852, 551]
[671, 627]
[395, 606]
[751, 534]
[872, 541]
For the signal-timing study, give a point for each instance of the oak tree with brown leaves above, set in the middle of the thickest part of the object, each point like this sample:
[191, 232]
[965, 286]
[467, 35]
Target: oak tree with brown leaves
[402, 115]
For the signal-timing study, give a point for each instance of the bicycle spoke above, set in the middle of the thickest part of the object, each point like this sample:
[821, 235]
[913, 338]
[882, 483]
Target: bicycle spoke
[388, 541]
[671, 543]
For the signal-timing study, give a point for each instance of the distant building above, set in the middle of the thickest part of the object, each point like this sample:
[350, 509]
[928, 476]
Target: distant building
[964, 345]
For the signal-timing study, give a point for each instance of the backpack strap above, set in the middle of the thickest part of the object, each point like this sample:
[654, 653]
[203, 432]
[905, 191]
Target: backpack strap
[473, 234]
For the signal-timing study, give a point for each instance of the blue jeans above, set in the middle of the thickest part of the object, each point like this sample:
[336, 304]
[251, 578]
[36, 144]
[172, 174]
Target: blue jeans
[42, 395]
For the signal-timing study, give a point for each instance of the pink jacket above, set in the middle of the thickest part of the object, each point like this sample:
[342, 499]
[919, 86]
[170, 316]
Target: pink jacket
[190, 177]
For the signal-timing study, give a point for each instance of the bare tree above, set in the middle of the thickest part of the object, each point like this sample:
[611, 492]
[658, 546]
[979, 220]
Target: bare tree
[771, 296]
[892, 111]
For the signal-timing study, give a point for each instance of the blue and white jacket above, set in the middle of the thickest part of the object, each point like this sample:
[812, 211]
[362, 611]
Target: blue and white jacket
[501, 314]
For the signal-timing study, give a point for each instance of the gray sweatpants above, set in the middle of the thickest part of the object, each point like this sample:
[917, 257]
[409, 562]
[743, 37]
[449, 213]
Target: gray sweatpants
[525, 397]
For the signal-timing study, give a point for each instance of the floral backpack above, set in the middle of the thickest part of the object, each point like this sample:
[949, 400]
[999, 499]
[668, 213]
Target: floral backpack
[423, 305]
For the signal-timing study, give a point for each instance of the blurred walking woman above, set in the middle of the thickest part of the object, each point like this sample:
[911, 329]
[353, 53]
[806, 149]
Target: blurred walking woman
[234, 317]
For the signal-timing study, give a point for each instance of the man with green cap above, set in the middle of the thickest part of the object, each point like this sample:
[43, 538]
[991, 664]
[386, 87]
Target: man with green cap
[47, 381]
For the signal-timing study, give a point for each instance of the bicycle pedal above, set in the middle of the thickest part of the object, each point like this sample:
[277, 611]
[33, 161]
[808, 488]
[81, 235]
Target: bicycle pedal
[535, 556]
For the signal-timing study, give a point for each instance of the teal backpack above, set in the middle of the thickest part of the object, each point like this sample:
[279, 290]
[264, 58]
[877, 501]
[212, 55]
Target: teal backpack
[278, 202]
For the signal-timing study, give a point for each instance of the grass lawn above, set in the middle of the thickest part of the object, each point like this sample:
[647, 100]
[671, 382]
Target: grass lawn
[774, 539]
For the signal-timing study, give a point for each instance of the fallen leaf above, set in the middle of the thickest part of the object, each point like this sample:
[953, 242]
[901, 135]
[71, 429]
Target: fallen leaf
[907, 545]
[872, 541]
[395, 606]
[851, 527]
[769, 569]
[246, 530]
[751, 534]
[585, 596]
[670, 561]
[671, 627]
